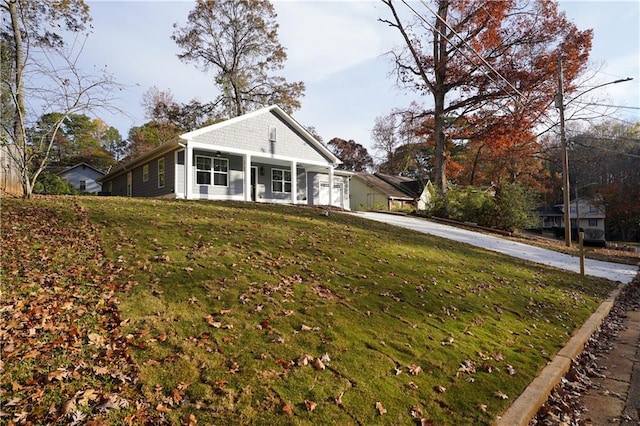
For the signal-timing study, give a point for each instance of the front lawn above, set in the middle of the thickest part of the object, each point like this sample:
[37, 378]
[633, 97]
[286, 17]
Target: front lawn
[239, 313]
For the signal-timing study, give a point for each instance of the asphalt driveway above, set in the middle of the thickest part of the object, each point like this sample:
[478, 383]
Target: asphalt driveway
[596, 268]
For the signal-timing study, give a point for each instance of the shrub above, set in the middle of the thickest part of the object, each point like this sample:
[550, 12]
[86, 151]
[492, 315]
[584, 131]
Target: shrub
[509, 209]
[51, 184]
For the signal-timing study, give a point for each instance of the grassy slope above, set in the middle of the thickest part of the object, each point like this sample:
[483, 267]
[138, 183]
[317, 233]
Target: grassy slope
[225, 299]
[229, 296]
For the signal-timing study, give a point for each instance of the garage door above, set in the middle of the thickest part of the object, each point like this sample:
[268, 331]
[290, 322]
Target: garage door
[338, 194]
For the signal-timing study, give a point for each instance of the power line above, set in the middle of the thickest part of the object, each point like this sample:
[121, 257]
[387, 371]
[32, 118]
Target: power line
[608, 106]
[484, 61]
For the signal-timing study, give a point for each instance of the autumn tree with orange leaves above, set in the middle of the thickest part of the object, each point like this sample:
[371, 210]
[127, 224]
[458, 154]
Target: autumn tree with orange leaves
[489, 69]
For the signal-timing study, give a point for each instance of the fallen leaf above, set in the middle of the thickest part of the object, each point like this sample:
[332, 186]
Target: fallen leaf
[511, 370]
[88, 396]
[163, 408]
[310, 405]
[483, 407]
[414, 370]
[380, 408]
[287, 409]
[305, 328]
[339, 399]
[416, 412]
[440, 389]
[500, 395]
[190, 420]
[95, 339]
[318, 364]
[69, 406]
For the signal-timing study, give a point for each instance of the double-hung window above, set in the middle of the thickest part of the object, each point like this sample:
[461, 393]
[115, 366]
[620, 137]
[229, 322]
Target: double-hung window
[212, 171]
[145, 173]
[280, 180]
[161, 173]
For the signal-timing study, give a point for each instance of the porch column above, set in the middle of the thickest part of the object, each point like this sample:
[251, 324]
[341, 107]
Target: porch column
[294, 182]
[331, 185]
[247, 177]
[188, 172]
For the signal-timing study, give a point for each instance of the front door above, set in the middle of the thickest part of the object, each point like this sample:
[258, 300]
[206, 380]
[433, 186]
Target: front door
[254, 183]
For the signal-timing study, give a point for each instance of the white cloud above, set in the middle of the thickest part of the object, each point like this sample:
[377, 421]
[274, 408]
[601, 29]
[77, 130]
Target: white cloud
[323, 38]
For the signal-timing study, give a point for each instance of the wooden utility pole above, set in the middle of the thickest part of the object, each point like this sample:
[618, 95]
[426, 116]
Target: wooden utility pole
[565, 158]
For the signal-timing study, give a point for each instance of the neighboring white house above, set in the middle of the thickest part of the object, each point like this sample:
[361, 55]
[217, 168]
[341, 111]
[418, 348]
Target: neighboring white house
[83, 177]
[263, 156]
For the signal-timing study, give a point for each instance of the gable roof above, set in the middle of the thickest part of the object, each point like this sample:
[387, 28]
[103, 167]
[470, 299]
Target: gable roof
[176, 143]
[68, 169]
[409, 186]
[385, 187]
[275, 109]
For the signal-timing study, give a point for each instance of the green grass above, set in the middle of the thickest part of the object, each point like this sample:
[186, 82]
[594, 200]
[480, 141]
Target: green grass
[226, 299]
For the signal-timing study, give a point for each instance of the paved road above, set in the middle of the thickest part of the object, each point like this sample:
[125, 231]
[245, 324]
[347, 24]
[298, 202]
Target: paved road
[596, 268]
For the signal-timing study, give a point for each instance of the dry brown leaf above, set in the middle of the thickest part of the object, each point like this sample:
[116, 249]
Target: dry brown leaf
[414, 370]
[483, 407]
[318, 364]
[310, 405]
[96, 339]
[416, 412]
[339, 399]
[500, 395]
[88, 396]
[69, 406]
[380, 408]
[287, 409]
[190, 420]
[163, 408]
[440, 389]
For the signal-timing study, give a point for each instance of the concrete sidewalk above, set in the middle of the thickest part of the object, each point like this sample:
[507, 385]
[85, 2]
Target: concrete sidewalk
[596, 268]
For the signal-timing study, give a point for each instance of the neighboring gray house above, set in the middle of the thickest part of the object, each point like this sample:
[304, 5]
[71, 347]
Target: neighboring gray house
[379, 191]
[586, 213]
[83, 177]
[263, 156]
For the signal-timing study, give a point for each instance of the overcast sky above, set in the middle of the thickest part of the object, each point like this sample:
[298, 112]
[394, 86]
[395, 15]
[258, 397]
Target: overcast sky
[336, 48]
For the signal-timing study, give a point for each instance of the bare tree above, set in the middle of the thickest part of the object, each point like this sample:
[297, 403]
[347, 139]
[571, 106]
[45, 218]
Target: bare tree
[44, 78]
[238, 41]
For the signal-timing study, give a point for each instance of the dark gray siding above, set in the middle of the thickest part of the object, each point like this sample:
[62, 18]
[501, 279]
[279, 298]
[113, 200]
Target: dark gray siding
[118, 185]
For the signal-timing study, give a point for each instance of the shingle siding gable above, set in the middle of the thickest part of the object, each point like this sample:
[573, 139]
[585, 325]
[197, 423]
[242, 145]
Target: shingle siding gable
[252, 134]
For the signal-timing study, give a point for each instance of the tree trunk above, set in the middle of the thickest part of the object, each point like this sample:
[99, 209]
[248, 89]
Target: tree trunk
[18, 118]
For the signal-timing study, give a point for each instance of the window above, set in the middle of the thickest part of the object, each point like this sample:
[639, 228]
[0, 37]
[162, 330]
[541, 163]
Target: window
[83, 185]
[280, 180]
[212, 170]
[593, 223]
[145, 173]
[593, 209]
[203, 170]
[161, 173]
[272, 134]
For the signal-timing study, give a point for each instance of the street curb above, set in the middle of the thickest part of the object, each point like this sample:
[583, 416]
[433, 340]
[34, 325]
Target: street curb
[525, 407]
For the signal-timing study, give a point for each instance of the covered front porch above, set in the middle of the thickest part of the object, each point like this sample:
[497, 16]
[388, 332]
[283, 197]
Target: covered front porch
[204, 172]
